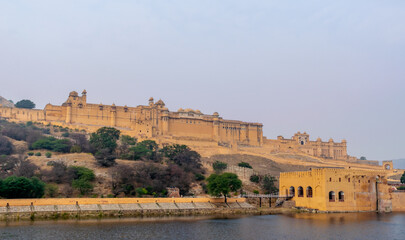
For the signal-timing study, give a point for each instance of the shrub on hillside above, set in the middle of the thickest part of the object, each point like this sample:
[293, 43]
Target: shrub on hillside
[219, 166]
[51, 190]
[53, 144]
[245, 165]
[6, 148]
[75, 149]
[57, 174]
[269, 185]
[30, 153]
[82, 185]
[81, 140]
[38, 154]
[48, 155]
[82, 178]
[24, 168]
[255, 178]
[199, 177]
[81, 173]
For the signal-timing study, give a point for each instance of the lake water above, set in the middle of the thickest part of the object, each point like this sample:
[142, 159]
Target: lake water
[297, 226]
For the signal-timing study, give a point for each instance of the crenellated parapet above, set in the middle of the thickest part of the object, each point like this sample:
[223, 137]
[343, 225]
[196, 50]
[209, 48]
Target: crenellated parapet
[301, 143]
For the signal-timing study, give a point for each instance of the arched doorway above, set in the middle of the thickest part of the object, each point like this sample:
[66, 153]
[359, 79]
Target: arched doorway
[300, 191]
[292, 191]
[341, 196]
[309, 192]
[331, 196]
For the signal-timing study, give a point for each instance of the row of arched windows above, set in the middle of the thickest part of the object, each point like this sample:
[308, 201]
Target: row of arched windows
[309, 193]
[300, 192]
[332, 197]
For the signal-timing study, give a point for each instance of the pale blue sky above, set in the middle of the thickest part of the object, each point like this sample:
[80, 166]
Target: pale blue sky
[331, 68]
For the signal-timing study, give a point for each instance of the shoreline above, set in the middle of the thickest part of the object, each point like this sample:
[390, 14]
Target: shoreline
[141, 214]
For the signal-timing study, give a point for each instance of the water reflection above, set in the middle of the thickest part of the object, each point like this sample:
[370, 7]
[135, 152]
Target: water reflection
[295, 226]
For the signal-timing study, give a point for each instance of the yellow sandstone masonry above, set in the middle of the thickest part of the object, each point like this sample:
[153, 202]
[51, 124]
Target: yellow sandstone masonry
[341, 190]
[150, 121]
[85, 201]
[184, 126]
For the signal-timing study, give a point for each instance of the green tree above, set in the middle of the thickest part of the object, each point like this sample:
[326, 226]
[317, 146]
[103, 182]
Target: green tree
[125, 139]
[223, 184]
[25, 103]
[105, 137]
[219, 166]
[172, 151]
[53, 144]
[255, 178]
[51, 190]
[403, 178]
[245, 165]
[104, 142]
[268, 185]
[21, 187]
[147, 150]
[82, 185]
[78, 172]
[82, 178]
[363, 158]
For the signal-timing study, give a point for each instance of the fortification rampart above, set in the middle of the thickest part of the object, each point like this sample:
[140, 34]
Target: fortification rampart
[185, 126]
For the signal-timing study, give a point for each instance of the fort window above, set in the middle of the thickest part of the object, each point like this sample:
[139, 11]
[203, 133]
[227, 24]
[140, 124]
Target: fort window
[309, 192]
[348, 179]
[340, 179]
[300, 191]
[341, 196]
[330, 179]
[331, 196]
[292, 191]
[302, 142]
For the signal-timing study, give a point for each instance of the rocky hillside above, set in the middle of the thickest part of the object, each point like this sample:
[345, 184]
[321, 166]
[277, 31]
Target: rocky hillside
[5, 103]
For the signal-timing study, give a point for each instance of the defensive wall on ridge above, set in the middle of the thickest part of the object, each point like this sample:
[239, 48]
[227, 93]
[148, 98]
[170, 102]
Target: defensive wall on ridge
[185, 125]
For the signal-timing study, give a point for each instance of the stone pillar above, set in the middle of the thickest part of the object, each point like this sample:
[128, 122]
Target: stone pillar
[69, 113]
[215, 127]
[243, 133]
[113, 116]
[260, 135]
[165, 122]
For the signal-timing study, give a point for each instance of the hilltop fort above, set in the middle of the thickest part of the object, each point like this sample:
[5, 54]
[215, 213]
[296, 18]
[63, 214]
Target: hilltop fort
[155, 121]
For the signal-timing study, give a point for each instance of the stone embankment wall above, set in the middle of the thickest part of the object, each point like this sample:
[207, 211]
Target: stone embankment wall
[398, 201]
[242, 172]
[96, 207]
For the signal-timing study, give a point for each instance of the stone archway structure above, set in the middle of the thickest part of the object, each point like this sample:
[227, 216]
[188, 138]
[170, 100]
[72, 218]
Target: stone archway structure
[388, 165]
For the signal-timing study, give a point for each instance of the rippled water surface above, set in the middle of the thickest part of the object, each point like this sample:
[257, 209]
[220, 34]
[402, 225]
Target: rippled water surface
[298, 226]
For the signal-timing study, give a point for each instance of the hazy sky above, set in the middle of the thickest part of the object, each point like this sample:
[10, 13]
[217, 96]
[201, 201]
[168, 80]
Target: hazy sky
[330, 68]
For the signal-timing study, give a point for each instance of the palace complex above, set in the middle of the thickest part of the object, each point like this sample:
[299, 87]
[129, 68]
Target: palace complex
[156, 121]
